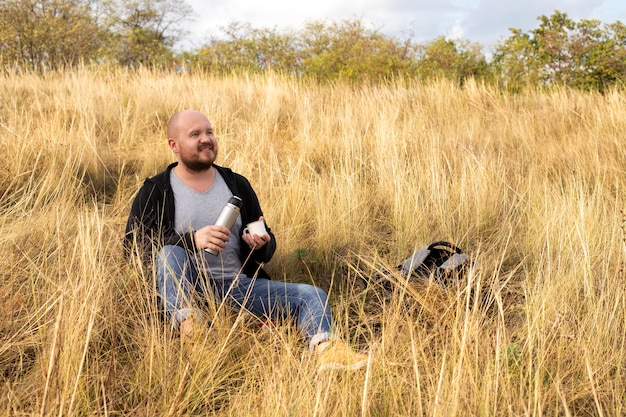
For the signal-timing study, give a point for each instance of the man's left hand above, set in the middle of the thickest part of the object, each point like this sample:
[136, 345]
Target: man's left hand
[256, 241]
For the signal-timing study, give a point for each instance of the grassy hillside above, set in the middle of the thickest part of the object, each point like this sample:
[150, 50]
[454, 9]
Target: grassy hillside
[351, 179]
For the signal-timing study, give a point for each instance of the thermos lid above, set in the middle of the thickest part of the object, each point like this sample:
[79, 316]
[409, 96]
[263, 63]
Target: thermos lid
[235, 201]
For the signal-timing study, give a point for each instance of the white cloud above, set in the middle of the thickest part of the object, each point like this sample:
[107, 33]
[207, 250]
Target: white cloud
[456, 32]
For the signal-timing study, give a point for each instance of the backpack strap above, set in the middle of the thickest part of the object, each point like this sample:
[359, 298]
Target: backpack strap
[446, 245]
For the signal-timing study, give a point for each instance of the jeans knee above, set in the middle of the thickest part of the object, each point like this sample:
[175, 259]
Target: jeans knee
[171, 252]
[310, 292]
[171, 256]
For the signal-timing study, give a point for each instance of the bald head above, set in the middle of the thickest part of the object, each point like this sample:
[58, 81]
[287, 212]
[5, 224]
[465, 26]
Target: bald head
[177, 121]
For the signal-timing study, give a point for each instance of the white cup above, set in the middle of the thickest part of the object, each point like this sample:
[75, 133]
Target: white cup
[255, 228]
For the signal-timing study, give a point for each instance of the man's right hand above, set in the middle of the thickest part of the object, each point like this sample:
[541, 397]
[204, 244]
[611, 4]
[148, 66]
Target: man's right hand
[212, 237]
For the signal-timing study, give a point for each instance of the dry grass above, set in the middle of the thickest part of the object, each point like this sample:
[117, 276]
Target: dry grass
[351, 179]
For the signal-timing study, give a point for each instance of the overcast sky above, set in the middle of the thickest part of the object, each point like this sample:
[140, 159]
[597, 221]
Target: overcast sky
[483, 21]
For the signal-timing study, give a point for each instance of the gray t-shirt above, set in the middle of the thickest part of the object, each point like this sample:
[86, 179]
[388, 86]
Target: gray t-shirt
[195, 209]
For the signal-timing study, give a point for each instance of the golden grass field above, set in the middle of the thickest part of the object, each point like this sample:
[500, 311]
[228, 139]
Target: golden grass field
[351, 179]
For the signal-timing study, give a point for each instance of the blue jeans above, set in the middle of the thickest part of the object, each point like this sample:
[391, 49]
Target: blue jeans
[178, 279]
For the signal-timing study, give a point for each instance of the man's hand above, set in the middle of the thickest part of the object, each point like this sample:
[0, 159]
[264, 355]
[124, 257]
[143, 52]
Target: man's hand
[212, 237]
[256, 241]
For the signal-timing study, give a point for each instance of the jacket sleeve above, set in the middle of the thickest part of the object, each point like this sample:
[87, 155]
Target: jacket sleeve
[251, 212]
[143, 224]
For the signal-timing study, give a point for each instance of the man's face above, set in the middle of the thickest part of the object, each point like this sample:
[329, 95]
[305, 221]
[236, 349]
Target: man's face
[194, 142]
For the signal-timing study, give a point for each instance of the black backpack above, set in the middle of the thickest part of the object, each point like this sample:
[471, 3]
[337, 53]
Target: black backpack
[441, 262]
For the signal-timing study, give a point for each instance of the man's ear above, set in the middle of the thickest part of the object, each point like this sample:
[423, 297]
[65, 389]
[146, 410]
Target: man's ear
[173, 144]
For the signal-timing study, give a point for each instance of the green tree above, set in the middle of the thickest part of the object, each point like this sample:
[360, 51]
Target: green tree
[48, 33]
[552, 48]
[515, 63]
[598, 54]
[346, 50]
[143, 32]
[453, 59]
[560, 51]
[244, 47]
[350, 50]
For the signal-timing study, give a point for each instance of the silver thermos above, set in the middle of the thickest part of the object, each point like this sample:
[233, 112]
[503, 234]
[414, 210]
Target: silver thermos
[228, 216]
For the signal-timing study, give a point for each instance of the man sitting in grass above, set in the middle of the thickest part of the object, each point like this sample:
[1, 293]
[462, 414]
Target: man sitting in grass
[174, 214]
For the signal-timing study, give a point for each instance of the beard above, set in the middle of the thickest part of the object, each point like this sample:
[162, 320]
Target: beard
[198, 166]
[198, 163]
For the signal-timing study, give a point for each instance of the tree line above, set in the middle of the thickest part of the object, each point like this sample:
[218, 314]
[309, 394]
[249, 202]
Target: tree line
[57, 34]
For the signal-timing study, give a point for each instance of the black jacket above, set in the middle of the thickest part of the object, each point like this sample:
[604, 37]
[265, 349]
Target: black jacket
[150, 225]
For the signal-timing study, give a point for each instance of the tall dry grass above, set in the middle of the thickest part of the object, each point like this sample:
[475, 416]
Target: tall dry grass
[351, 179]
